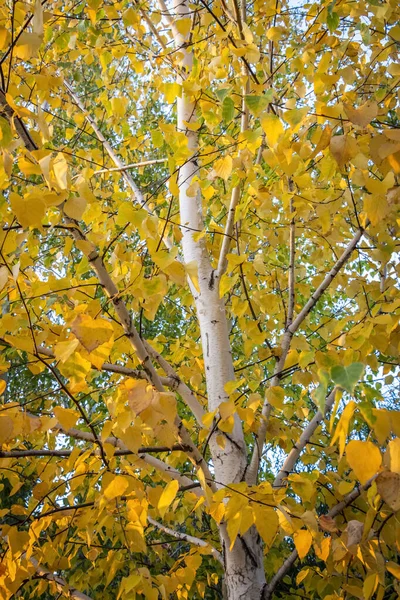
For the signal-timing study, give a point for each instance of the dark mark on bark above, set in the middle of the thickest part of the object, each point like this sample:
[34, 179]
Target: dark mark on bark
[212, 280]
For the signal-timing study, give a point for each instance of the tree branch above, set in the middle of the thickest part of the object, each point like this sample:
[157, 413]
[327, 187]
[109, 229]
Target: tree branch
[144, 163]
[67, 453]
[270, 587]
[116, 160]
[292, 254]
[177, 384]
[305, 437]
[285, 346]
[62, 585]
[17, 122]
[152, 461]
[185, 537]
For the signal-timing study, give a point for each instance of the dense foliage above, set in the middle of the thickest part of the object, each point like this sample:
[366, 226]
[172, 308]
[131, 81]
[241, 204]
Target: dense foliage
[199, 292]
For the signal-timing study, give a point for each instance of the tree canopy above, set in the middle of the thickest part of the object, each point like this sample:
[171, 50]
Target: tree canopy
[199, 292]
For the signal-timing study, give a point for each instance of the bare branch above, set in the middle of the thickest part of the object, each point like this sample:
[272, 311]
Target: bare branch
[116, 160]
[292, 253]
[144, 163]
[67, 453]
[185, 537]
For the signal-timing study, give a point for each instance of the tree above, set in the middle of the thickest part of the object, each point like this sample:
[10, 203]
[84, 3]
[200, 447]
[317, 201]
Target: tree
[199, 293]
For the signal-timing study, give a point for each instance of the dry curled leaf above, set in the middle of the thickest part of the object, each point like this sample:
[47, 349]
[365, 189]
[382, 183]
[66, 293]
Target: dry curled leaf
[388, 485]
[327, 524]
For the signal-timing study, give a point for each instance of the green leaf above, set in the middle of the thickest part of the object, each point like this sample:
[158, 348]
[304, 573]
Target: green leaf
[256, 104]
[320, 393]
[347, 377]
[228, 109]
[332, 21]
[5, 133]
[221, 94]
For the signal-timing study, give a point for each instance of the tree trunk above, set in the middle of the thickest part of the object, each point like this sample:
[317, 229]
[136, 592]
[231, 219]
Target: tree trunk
[244, 571]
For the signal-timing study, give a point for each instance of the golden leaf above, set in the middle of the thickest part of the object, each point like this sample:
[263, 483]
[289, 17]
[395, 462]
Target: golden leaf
[168, 496]
[66, 417]
[393, 450]
[363, 115]
[343, 148]
[116, 488]
[302, 540]
[75, 207]
[6, 428]
[63, 350]
[92, 333]
[364, 458]
[223, 167]
[141, 395]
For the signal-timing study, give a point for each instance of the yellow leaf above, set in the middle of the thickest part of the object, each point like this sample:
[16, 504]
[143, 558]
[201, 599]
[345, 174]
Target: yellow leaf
[4, 37]
[267, 523]
[343, 148]
[118, 106]
[272, 127]
[233, 527]
[6, 428]
[183, 26]
[3, 385]
[376, 207]
[275, 33]
[388, 485]
[364, 458]
[394, 569]
[116, 488]
[322, 549]
[191, 269]
[168, 496]
[275, 396]
[29, 211]
[75, 207]
[66, 417]
[63, 350]
[362, 115]
[223, 167]
[343, 426]
[172, 91]
[302, 540]
[323, 142]
[92, 333]
[393, 450]
[27, 46]
[60, 168]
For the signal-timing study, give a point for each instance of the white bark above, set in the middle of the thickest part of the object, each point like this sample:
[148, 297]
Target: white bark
[244, 570]
[185, 537]
[62, 585]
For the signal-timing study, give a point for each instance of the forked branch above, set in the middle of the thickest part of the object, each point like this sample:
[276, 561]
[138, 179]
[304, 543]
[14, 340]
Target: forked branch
[285, 347]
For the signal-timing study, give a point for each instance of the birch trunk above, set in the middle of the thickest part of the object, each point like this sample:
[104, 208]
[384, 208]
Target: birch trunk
[243, 564]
